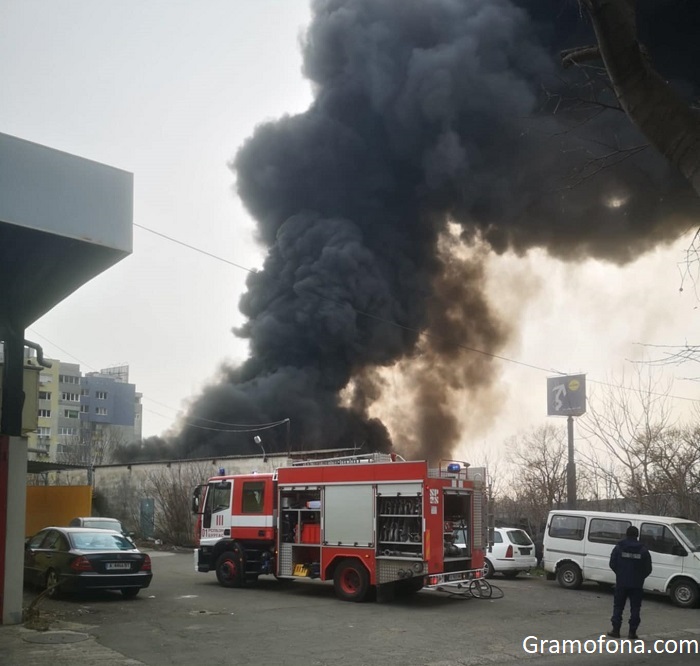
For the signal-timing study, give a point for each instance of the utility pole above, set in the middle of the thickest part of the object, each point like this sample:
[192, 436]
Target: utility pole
[566, 396]
[571, 469]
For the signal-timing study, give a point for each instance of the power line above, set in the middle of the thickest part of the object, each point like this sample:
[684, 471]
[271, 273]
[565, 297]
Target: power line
[233, 427]
[413, 330]
[196, 249]
[356, 310]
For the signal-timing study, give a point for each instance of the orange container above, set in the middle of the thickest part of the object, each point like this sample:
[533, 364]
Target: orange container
[311, 533]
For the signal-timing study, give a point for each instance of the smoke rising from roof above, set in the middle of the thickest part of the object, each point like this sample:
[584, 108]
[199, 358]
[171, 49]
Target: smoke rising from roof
[429, 115]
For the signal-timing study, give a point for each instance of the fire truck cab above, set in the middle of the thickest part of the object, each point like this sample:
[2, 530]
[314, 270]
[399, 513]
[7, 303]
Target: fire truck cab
[360, 521]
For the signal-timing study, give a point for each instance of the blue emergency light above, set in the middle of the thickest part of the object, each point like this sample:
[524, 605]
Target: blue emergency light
[454, 467]
[222, 471]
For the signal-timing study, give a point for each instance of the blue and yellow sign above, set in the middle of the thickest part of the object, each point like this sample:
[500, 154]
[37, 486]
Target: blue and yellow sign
[566, 396]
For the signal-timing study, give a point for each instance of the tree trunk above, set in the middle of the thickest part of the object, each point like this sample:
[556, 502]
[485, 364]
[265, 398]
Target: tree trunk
[667, 121]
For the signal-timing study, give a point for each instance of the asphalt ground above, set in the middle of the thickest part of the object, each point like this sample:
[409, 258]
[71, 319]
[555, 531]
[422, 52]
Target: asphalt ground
[187, 618]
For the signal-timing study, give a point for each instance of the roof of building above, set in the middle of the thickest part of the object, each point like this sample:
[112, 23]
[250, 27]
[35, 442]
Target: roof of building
[41, 466]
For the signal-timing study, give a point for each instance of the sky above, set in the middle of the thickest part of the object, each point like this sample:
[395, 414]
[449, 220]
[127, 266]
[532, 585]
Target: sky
[169, 90]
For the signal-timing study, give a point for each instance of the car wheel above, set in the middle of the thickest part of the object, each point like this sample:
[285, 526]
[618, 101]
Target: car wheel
[229, 569]
[569, 576]
[351, 580]
[510, 574]
[130, 592]
[52, 584]
[488, 569]
[684, 593]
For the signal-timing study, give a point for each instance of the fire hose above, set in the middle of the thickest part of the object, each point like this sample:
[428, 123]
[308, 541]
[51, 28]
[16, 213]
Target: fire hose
[478, 588]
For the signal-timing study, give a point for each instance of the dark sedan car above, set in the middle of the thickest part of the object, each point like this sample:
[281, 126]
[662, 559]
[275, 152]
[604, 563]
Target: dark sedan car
[77, 559]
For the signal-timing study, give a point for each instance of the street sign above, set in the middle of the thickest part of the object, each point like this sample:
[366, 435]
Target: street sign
[566, 396]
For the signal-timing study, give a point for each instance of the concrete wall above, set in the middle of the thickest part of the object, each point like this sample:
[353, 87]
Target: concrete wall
[121, 490]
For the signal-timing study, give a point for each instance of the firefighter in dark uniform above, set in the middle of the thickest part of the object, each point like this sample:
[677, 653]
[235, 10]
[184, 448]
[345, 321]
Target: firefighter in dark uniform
[631, 562]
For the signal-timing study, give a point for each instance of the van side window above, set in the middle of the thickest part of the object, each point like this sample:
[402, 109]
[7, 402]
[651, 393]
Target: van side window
[657, 538]
[497, 538]
[567, 527]
[604, 530]
[253, 494]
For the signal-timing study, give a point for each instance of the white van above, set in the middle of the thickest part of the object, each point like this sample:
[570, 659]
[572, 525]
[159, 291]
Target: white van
[577, 547]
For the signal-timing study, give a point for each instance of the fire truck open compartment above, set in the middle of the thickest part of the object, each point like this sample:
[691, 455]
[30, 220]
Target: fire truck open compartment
[300, 531]
[400, 521]
[456, 518]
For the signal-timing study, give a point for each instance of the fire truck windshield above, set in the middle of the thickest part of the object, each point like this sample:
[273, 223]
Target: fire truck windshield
[219, 496]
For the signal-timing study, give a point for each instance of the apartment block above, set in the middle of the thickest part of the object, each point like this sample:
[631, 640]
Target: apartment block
[82, 416]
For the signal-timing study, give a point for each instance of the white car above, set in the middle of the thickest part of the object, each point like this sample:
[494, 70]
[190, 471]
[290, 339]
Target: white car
[101, 523]
[513, 551]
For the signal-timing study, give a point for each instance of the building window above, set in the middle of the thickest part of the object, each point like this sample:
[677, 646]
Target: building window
[85, 392]
[70, 413]
[84, 409]
[44, 413]
[66, 431]
[70, 397]
[101, 395]
[44, 431]
[44, 395]
[101, 411]
[69, 379]
[45, 378]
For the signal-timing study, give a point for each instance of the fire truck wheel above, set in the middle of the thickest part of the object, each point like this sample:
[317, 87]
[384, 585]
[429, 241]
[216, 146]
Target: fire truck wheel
[229, 570]
[351, 580]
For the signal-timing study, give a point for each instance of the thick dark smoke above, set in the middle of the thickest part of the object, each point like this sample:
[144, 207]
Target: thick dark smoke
[426, 113]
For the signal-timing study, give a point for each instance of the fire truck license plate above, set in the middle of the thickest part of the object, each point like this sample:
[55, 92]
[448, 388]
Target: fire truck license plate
[462, 575]
[118, 566]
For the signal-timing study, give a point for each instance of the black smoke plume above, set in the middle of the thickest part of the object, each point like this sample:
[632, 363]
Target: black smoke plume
[426, 113]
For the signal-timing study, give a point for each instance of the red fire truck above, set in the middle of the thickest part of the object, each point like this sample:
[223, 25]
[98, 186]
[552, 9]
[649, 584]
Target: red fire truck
[360, 521]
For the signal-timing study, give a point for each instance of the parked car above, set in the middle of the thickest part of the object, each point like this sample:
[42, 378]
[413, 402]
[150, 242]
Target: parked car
[79, 559]
[100, 523]
[513, 551]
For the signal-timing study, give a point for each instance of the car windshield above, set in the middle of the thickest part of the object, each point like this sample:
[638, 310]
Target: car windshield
[99, 540]
[519, 538]
[691, 531]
